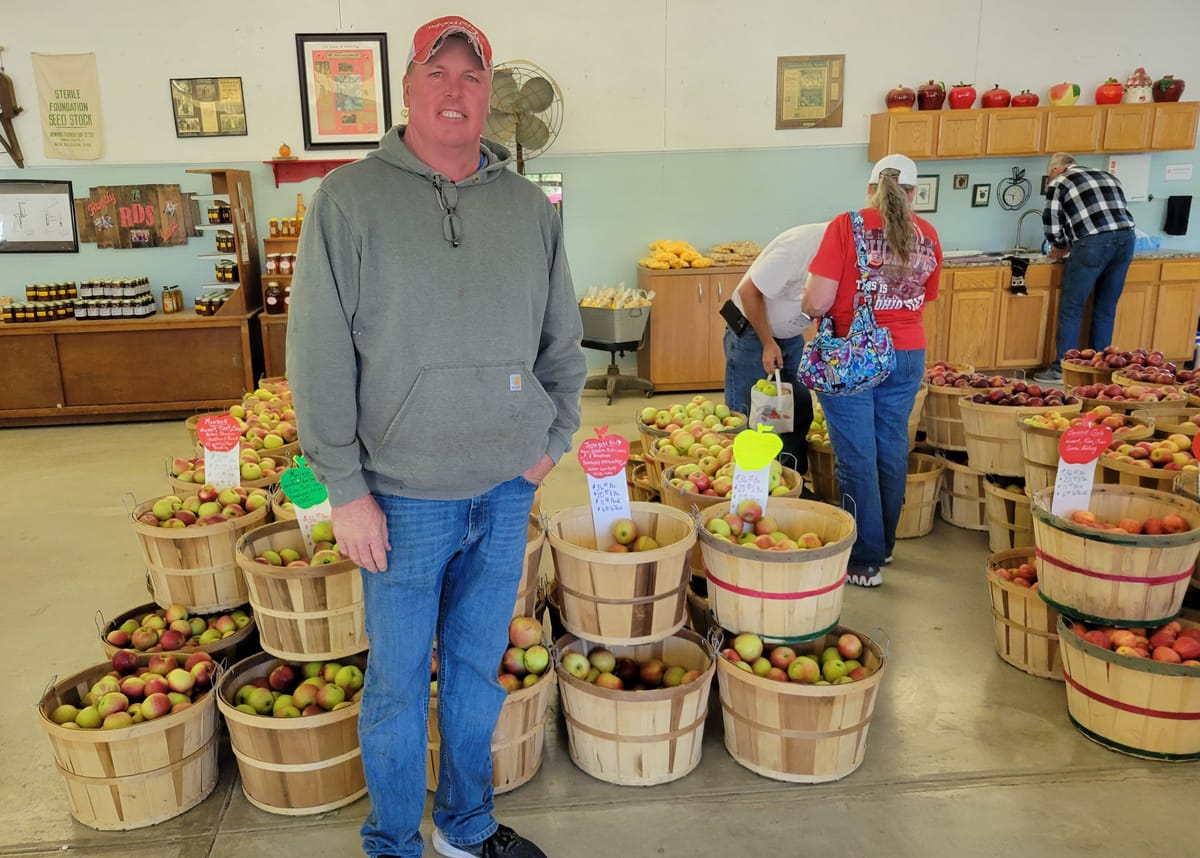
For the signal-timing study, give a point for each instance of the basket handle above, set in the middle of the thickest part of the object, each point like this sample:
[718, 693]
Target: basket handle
[883, 638]
[129, 501]
[99, 621]
[49, 687]
[715, 638]
[854, 511]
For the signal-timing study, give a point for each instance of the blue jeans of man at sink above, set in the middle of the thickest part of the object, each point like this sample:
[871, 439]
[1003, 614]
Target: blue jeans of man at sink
[869, 432]
[1097, 266]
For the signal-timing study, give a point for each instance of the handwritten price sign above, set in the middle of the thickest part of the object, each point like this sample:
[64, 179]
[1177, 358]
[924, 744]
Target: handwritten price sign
[603, 460]
[1078, 449]
[221, 437]
[309, 496]
[752, 455]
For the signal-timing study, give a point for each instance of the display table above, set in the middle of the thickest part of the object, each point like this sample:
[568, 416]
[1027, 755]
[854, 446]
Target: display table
[126, 369]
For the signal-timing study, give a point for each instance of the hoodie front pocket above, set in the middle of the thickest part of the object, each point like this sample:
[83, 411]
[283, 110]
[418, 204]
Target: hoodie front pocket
[469, 425]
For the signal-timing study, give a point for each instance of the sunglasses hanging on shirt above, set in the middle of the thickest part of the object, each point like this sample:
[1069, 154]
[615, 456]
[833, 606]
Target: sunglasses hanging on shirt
[447, 194]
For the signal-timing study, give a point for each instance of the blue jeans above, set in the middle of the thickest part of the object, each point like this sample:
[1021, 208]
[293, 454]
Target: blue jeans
[453, 570]
[869, 432]
[743, 367]
[1098, 263]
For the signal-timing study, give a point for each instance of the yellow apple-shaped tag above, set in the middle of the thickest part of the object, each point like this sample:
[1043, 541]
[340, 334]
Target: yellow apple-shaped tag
[755, 450]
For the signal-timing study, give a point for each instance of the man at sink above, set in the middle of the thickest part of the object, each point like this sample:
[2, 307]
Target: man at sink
[1087, 222]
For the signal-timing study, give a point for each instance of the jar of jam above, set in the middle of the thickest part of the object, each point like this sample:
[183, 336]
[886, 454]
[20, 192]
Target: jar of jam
[272, 263]
[285, 264]
[224, 212]
[273, 298]
[214, 214]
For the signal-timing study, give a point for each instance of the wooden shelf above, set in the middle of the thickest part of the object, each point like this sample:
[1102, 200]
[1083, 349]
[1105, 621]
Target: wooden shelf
[297, 170]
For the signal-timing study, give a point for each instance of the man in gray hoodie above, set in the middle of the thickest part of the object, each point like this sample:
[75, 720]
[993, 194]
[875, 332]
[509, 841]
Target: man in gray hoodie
[434, 357]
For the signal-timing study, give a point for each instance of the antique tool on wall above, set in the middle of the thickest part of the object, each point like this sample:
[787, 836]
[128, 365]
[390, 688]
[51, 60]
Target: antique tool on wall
[9, 109]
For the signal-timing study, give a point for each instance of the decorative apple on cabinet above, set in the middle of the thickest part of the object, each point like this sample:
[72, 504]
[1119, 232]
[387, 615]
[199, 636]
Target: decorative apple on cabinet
[1168, 88]
[1064, 94]
[1025, 98]
[900, 98]
[1110, 92]
[931, 96]
[962, 96]
[996, 97]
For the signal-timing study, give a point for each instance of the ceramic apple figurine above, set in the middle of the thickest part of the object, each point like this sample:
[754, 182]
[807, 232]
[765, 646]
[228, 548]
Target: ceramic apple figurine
[1168, 88]
[900, 98]
[1064, 94]
[1110, 92]
[1137, 87]
[931, 96]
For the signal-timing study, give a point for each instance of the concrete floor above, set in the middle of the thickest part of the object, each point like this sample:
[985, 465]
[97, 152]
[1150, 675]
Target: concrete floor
[967, 756]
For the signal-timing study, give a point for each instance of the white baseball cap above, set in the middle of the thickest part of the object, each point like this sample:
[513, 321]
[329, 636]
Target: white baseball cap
[900, 163]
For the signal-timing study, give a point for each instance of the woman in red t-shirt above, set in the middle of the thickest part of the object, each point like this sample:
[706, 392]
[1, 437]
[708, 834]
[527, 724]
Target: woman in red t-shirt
[869, 429]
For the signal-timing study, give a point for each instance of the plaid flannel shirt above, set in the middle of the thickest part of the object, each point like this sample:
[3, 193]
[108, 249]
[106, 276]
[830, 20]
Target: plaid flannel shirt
[1084, 202]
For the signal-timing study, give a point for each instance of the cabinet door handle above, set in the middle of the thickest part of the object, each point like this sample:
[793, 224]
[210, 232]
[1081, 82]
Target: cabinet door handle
[720, 291]
[699, 292]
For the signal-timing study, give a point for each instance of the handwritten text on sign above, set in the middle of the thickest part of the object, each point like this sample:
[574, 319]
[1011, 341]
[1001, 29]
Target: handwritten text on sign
[604, 455]
[301, 485]
[603, 460]
[1078, 449]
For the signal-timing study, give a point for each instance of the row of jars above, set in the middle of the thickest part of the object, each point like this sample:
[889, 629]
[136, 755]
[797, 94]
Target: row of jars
[120, 287]
[285, 227]
[94, 308]
[208, 303]
[49, 291]
[226, 271]
[220, 212]
[280, 264]
[225, 242]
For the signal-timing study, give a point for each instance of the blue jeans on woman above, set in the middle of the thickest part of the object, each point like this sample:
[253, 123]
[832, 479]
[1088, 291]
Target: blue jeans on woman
[453, 570]
[1098, 263]
[743, 367]
[869, 432]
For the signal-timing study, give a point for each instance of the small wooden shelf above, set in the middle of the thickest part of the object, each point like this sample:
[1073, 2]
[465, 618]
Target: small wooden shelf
[297, 170]
[216, 255]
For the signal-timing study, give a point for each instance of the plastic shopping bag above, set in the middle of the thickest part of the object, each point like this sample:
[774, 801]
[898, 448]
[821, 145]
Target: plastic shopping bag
[772, 404]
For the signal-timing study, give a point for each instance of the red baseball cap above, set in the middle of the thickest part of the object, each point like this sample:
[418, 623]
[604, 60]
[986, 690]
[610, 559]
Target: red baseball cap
[429, 37]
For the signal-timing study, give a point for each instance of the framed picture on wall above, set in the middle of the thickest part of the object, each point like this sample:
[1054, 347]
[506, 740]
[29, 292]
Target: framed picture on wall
[981, 196]
[345, 95]
[925, 199]
[208, 107]
[37, 217]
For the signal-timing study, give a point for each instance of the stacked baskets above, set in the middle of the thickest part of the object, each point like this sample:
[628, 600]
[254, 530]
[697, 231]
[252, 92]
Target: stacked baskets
[634, 605]
[789, 731]
[1124, 583]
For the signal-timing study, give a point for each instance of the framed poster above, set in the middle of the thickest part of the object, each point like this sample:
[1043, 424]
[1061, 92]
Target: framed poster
[37, 217]
[208, 107]
[809, 91]
[982, 196]
[925, 199]
[345, 96]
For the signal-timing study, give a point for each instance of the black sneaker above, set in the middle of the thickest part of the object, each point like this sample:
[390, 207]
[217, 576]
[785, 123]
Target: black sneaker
[865, 576]
[504, 843]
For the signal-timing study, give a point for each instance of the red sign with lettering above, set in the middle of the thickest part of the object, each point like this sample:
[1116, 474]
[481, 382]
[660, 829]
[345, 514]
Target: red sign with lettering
[218, 432]
[1084, 443]
[604, 455]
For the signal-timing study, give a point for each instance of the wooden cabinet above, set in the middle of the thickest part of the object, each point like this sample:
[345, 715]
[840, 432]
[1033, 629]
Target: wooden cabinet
[273, 332]
[1177, 309]
[973, 315]
[97, 371]
[1007, 131]
[1015, 131]
[683, 349]
[912, 133]
[961, 133]
[1073, 129]
[1026, 323]
[1126, 128]
[935, 317]
[1133, 326]
[1175, 125]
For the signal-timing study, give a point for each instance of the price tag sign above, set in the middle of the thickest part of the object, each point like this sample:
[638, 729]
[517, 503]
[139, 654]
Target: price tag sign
[309, 497]
[753, 452]
[1078, 449]
[221, 437]
[603, 460]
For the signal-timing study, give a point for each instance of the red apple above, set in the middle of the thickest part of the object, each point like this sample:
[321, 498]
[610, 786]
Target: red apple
[931, 96]
[996, 97]
[900, 98]
[962, 96]
[1025, 98]
[1110, 92]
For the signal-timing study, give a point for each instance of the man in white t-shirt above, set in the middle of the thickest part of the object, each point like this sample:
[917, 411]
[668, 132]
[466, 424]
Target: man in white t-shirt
[765, 327]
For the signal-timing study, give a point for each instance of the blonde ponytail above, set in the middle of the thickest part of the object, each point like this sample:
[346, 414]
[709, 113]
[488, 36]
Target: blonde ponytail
[892, 202]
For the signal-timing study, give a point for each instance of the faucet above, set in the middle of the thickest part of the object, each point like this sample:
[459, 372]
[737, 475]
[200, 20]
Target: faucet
[1021, 222]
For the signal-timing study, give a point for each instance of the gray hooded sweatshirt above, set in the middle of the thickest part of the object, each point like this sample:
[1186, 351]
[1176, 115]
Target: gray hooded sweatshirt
[418, 368]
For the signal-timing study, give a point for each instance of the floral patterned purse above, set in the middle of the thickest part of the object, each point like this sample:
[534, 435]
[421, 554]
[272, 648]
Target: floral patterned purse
[861, 360]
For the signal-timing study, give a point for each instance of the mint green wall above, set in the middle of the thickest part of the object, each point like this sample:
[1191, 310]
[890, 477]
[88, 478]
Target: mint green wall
[614, 204]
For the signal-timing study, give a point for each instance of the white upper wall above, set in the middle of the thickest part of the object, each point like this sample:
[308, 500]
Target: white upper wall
[637, 75]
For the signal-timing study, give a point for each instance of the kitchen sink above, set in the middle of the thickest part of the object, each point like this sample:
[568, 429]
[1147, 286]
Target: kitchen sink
[1016, 251]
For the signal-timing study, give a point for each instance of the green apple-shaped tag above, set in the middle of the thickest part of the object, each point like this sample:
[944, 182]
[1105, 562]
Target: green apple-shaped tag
[755, 450]
[301, 485]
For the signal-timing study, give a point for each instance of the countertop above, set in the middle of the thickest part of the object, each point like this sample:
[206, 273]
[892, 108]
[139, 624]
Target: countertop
[1041, 259]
